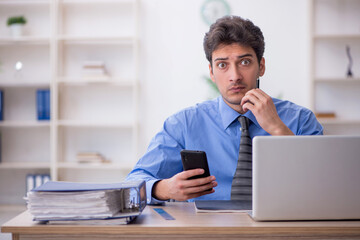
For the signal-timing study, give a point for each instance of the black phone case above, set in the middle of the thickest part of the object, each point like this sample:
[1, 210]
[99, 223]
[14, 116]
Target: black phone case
[195, 159]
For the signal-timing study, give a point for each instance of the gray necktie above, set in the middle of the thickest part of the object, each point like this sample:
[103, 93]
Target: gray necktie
[241, 188]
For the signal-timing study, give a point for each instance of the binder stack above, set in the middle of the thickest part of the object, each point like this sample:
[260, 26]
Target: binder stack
[87, 203]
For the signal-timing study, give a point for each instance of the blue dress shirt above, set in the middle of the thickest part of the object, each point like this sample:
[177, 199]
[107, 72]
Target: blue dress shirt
[212, 127]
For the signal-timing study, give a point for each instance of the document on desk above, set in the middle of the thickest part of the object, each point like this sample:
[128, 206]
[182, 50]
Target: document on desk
[223, 206]
[66, 202]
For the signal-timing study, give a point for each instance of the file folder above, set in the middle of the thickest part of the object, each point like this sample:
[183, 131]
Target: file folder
[69, 201]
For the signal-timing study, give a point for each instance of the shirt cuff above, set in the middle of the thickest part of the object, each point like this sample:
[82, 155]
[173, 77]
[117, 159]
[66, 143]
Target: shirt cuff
[149, 188]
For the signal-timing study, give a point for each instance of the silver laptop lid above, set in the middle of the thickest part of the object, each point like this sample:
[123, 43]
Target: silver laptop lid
[306, 177]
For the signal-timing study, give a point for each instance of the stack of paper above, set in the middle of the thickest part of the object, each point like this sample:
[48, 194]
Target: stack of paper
[74, 205]
[64, 201]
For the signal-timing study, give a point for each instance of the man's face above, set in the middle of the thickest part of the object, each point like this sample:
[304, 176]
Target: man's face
[234, 70]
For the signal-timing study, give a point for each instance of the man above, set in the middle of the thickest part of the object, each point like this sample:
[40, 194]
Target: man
[234, 48]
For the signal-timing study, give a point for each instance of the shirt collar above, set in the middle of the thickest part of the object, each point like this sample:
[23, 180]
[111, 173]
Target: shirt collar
[229, 115]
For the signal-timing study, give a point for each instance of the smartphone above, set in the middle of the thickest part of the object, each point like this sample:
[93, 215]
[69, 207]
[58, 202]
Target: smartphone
[258, 83]
[195, 159]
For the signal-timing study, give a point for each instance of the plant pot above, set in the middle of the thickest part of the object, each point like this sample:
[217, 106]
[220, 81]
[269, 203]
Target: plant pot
[16, 30]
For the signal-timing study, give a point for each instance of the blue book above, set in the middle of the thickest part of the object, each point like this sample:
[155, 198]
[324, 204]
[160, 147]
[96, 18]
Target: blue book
[30, 182]
[39, 105]
[47, 104]
[45, 178]
[43, 104]
[1, 105]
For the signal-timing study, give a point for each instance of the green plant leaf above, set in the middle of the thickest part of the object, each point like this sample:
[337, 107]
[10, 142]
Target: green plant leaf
[16, 19]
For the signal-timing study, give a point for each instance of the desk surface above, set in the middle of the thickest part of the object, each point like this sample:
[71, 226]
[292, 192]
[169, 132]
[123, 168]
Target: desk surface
[187, 223]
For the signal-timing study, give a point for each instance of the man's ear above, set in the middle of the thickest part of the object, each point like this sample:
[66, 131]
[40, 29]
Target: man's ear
[262, 67]
[211, 73]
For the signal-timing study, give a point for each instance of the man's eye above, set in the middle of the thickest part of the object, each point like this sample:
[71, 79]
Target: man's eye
[245, 62]
[222, 65]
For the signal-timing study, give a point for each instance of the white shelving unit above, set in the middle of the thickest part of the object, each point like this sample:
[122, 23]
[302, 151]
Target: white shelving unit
[335, 25]
[92, 114]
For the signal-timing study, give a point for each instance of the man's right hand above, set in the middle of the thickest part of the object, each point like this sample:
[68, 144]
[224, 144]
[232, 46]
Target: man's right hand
[180, 188]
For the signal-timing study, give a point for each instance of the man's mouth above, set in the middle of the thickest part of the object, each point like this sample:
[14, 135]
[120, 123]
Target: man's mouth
[237, 88]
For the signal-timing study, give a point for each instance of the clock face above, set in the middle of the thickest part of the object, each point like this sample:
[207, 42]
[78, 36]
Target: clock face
[211, 10]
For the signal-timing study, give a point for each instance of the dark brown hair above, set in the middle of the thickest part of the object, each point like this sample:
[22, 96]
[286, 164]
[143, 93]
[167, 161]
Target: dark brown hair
[234, 29]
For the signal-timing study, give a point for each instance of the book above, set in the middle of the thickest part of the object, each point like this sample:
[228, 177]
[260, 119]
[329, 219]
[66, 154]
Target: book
[223, 206]
[43, 104]
[47, 104]
[95, 70]
[91, 157]
[87, 203]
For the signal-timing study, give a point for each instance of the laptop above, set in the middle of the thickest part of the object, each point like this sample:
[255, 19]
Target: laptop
[306, 178]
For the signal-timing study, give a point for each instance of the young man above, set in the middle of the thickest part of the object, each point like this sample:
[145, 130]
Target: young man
[234, 48]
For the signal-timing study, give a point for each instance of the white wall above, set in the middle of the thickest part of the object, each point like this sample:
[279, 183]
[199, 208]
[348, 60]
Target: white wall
[173, 64]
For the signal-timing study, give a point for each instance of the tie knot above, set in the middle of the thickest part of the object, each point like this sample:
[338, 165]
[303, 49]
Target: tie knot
[244, 122]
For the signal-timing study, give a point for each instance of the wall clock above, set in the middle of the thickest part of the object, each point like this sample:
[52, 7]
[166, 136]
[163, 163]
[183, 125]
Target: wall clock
[214, 9]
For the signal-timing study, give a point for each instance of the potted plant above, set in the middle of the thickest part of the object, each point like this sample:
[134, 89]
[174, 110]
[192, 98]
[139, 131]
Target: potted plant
[16, 24]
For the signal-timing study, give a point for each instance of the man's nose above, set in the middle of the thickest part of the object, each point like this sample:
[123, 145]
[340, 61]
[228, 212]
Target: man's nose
[235, 74]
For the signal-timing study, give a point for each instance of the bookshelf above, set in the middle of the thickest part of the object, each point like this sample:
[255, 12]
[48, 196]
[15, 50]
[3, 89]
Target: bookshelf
[335, 24]
[88, 113]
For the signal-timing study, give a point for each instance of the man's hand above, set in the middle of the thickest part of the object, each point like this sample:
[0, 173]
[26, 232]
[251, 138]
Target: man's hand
[180, 188]
[263, 108]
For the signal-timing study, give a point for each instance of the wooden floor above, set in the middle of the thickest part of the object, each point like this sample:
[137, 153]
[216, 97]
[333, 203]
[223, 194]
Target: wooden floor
[6, 213]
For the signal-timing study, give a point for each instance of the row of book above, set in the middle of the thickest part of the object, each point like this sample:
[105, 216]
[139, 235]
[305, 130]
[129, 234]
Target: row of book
[42, 104]
[36, 180]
